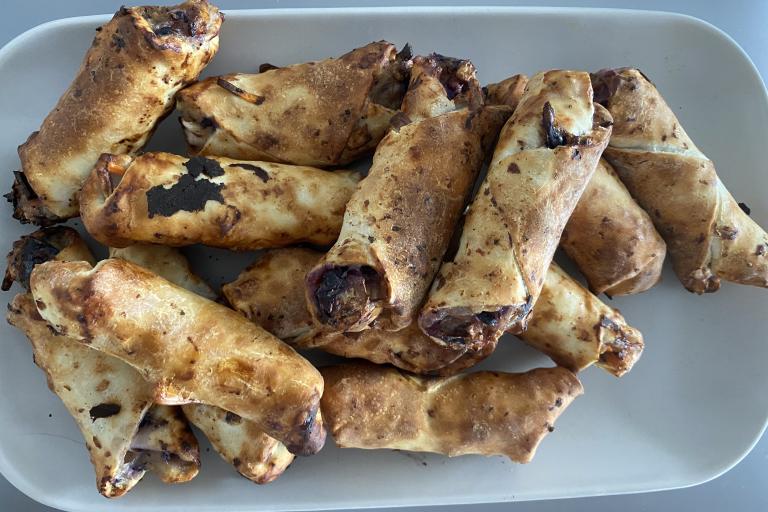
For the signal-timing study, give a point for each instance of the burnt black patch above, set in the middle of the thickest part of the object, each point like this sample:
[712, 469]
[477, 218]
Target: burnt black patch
[232, 418]
[33, 251]
[267, 67]
[198, 165]
[187, 194]
[104, 411]
[255, 169]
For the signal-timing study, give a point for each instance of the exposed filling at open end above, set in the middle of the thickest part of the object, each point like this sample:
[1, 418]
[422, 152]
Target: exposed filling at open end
[27, 205]
[461, 327]
[41, 246]
[345, 295]
[391, 82]
[188, 22]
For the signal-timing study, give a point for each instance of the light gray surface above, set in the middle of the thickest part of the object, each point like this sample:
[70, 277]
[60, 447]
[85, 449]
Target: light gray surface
[743, 488]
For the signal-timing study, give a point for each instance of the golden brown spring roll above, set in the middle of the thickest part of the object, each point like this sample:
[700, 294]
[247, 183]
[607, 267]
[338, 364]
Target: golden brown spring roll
[399, 221]
[708, 234]
[609, 237]
[125, 434]
[173, 200]
[190, 348]
[324, 113]
[546, 154]
[576, 329]
[270, 293]
[166, 262]
[125, 85]
[240, 442]
[254, 454]
[374, 407]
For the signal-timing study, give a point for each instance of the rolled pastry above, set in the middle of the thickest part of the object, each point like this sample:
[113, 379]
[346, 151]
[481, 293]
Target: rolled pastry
[270, 293]
[240, 442]
[545, 156]
[399, 221]
[125, 434]
[125, 85]
[486, 413]
[190, 348]
[709, 236]
[173, 200]
[611, 239]
[575, 329]
[325, 113]
[166, 262]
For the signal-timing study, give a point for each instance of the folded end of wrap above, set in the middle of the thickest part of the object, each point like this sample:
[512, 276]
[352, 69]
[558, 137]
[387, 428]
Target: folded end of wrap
[621, 345]
[28, 207]
[644, 279]
[43, 245]
[311, 437]
[98, 202]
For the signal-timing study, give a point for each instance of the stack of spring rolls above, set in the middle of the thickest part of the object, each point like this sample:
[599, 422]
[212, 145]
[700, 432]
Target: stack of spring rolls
[415, 271]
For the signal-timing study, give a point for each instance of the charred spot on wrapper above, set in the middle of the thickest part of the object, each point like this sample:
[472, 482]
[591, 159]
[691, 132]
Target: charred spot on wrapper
[255, 169]
[104, 410]
[187, 194]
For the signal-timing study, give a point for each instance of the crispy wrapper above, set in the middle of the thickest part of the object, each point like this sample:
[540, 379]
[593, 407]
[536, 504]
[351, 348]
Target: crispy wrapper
[166, 262]
[125, 434]
[125, 85]
[375, 407]
[240, 442]
[173, 200]
[546, 154]
[270, 292]
[399, 221]
[190, 348]
[254, 454]
[708, 235]
[613, 240]
[576, 329]
[324, 113]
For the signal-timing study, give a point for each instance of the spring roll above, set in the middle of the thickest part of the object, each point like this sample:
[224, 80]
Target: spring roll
[270, 293]
[374, 407]
[125, 434]
[173, 200]
[325, 113]
[190, 348]
[609, 237]
[240, 442]
[125, 85]
[545, 156]
[576, 329]
[708, 234]
[399, 221]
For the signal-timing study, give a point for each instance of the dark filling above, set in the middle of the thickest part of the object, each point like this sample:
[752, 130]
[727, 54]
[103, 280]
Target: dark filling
[459, 329]
[343, 294]
[176, 23]
[187, 194]
[605, 83]
[391, 83]
[255, 169]
[27, 206]
[267, 67]
[449, 75]
[555, 135]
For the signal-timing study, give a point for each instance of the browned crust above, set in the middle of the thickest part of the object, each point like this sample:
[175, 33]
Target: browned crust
[124, 86]
[708, 235]
[208, 354]
[399, 221]
[174, 200]
[507, 92]
[375, 407]
[537, 175]
[613, 240]
[324, 113]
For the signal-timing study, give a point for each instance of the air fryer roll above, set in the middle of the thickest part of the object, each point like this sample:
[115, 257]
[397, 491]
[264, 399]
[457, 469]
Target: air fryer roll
[486, 413]
[708, 235]
[546, 154]
[399, 221]
[190, 348]
[324, 113]
[173, 200]
[125, 85]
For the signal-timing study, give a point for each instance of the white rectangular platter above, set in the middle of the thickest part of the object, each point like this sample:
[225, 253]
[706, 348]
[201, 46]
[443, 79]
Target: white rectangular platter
[692, 408]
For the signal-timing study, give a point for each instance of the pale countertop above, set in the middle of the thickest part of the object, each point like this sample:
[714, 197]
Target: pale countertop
[744, 487]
